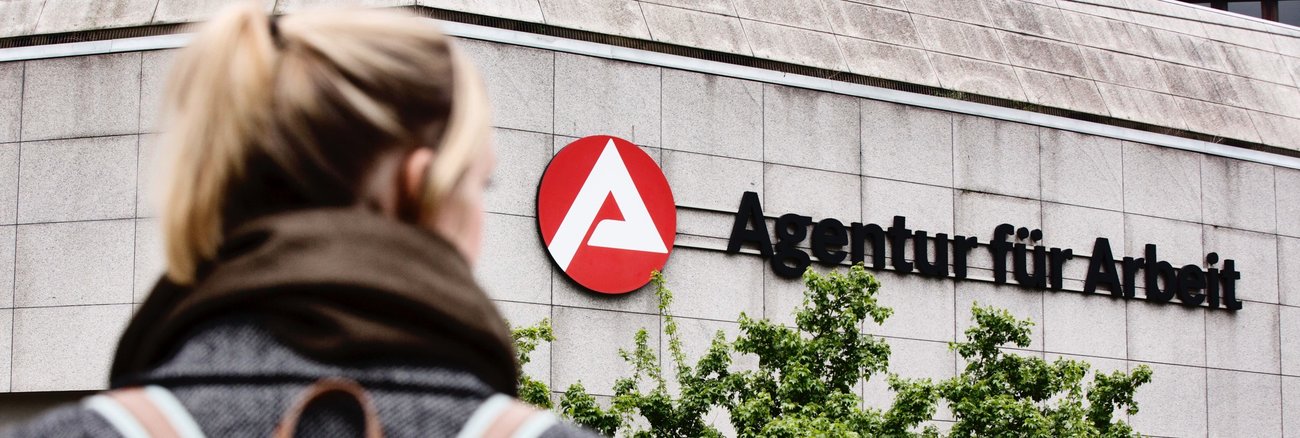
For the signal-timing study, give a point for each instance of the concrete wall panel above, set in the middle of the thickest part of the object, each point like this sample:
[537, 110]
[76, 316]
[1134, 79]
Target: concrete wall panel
[150, 261]
[712, 115]
[1255, 255]
[1077, 228]
[810, 129]
[1238, 194]
[1173, 405]
[911, 359]
[709, 285]
[1166, 334]
[710, 182]
[1245, 344]
[864, 21]
[789, 189]
[78, 179]
[527, 275]
[154, 69]
[1289, 328]
[1099, 331]
[65, 348]
[1244, 404]
[525, 315]
[1176, 242]
[784, 43]
[1290, 403]
[1162, 182]
[74, 263]
[522, 157]
[1288, 256]
[926, 207]
[977, 214]
[995, 157]
[11, 100]
[923, 308]
[1082, 170]
[566, 292]
[692, 28]
[81, 96]
[520, 84]
[594, 360]
[1021, 303]
[598, 96]
[614, 17]
[1287, 189]
[888, 61]
[9, 183]
[906, 143]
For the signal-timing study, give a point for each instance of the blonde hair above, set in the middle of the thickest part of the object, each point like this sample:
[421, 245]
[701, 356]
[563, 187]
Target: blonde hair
[265, 114]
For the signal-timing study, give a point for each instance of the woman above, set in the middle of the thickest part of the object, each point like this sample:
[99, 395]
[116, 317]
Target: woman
[321, 215]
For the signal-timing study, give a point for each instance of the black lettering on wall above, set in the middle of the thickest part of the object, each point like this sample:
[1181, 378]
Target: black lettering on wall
[1020, 260]
[860, 234]
[920, 253]
[1032, 264]
[1058, 258]
[898, 237]
[791, 229]
[1131, 268]
[749, 226]
[1212, 280]
[1101, 270]
[1229, 277]
[1191, 279]
[999, 247]
[829, 233]
[1156, 271]
[961, 247]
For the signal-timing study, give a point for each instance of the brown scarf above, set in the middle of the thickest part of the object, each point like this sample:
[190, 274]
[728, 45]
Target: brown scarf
[340, 286]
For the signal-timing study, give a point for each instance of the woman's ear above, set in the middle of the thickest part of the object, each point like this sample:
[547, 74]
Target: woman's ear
[414, 172]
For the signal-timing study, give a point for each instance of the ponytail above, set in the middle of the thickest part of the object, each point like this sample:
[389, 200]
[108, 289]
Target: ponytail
[266, 114]
[219, 100]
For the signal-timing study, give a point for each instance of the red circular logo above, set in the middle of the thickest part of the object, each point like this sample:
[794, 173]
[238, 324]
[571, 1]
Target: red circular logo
[606, 214]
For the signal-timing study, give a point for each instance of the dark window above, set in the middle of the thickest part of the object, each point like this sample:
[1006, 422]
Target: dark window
[1284, 11]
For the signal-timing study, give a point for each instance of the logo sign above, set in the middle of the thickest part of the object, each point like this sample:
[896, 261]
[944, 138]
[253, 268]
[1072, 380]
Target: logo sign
[606, 214]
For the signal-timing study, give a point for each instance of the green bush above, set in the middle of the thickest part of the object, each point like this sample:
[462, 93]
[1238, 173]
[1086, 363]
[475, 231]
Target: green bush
[807, 377]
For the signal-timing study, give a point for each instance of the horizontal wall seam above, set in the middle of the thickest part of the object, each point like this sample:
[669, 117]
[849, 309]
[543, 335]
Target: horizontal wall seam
[607, 51]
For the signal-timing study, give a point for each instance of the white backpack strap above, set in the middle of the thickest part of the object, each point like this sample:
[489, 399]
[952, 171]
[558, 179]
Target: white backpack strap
[501, 416]
[147, 412]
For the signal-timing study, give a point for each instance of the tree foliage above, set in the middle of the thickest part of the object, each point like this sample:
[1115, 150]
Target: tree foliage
[1011, 395]
[806, 382]
[527, 339]
[663, 414]
[807, 376]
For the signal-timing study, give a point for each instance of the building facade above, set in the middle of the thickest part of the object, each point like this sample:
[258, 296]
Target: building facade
[1143, 122]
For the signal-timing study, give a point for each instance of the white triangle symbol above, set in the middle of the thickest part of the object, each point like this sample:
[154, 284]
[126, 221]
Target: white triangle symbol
[636, 232]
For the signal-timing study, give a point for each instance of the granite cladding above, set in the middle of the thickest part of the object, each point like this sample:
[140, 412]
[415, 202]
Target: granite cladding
[1159, 62]
[79, 245]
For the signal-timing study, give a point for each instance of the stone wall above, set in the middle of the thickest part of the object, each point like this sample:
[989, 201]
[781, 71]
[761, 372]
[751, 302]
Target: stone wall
[827, 155]
[76, 141]
[1160, 62]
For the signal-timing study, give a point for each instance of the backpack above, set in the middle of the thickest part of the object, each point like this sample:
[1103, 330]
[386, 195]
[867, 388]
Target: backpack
[154, 412]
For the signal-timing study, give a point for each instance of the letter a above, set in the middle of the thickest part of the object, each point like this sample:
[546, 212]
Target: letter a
[636, 232]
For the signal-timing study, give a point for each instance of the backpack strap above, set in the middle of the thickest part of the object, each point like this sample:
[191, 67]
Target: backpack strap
[289, 423]
[144, 412]
[502, 416]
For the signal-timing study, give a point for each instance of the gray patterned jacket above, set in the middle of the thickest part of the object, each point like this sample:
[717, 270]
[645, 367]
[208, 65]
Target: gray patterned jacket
[237, 381]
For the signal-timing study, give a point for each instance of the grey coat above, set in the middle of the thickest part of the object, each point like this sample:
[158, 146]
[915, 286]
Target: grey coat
[237, 381]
